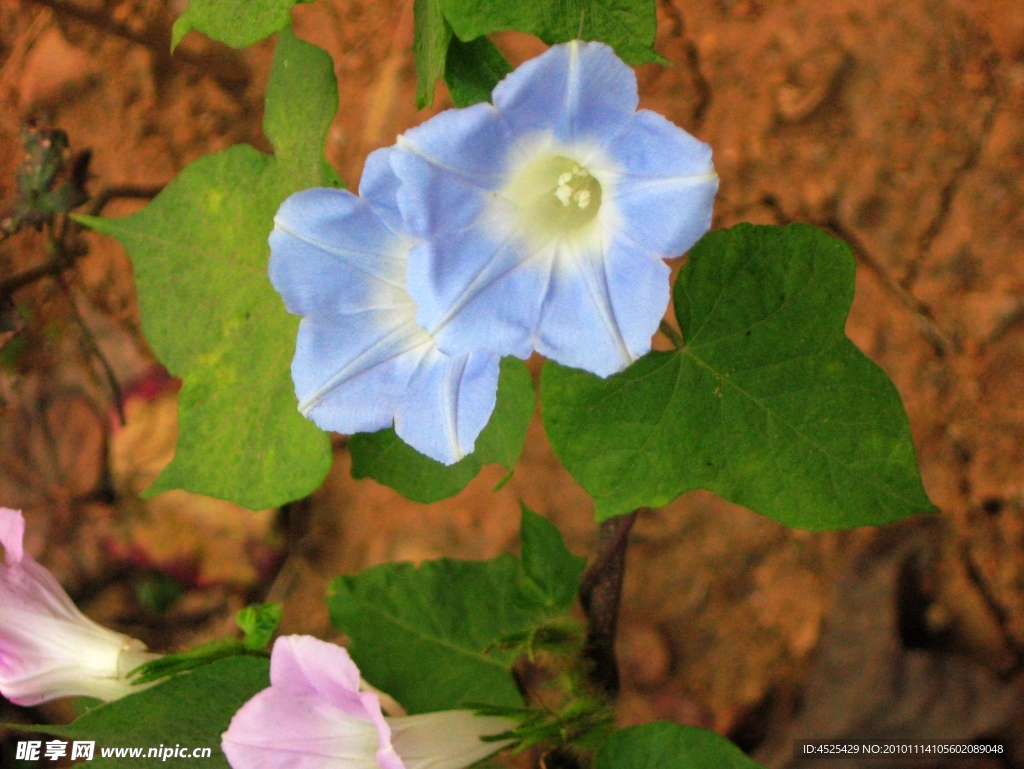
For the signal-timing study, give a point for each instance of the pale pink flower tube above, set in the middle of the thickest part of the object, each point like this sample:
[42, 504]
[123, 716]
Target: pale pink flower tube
[315, 716]
[48, 648]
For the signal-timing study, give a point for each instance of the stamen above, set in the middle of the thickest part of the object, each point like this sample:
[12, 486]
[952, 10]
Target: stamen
[555, 195]
[572, 185]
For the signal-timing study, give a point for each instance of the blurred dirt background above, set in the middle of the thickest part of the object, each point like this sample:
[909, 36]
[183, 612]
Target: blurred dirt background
[897, 125]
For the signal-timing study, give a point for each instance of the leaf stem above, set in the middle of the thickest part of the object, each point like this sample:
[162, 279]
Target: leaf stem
[63, 260]
[600, 592]
[93, 347]
[116, 191]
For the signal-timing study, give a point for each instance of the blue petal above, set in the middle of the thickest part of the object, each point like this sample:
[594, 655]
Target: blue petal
[352, 374]
[475, 290]
[378, 186]
[640, 287]
[432, 198]
[602, 306]
[582, 91]
[665, 190]
[361, 361]
[472, 143]
[449, 402]
[331, 254]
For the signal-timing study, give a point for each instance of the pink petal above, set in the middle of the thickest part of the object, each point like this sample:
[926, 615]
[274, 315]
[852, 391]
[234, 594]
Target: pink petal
[278, 730]
[313, 715]
[301, 664]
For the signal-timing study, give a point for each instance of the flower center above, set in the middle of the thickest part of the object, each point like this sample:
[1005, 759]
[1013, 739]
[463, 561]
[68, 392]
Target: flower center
[555, 195]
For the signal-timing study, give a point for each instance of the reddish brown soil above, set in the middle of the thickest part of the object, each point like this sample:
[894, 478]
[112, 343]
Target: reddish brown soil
[896, 125]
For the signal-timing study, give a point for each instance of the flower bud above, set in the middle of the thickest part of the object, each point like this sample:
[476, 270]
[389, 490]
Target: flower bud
[48, 648]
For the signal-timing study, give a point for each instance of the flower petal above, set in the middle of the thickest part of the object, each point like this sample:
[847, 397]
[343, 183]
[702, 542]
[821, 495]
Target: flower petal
[470, 143]
[449, 402]
[665, 190]
[578, 90]
[446, 740]
[351, 375]
[43, 658]
[639, 284]
[302, 664]
[30, 587]
[275, 730]
[378, 186]
[48, 648]
[434, 199]
[600, 314]
[360, 359]
[331, 254]
[12, 534]
[312, 717]
[475, 290]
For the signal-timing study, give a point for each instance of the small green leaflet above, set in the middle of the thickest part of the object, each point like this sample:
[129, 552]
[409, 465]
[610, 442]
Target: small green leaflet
[470, 69]
[258, 622]
[239, 23]
[432, 636]
[387, 459]
[199, 253]
[663, 745]
[629, 26]
[767, 404]
[192, 710]
[473, 69]
[430, 47]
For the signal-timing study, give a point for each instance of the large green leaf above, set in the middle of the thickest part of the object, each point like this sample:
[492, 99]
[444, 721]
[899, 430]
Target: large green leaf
[191, 710]
[236, 22]
[629, 26]
[767, 403]
[199, 252]
[432, 636]
[663, 745]
[387, 459]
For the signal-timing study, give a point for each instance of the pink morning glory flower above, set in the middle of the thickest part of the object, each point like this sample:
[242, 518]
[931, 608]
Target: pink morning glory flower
[361, 362]
[48, 648]
[316, 716]
[544, 218]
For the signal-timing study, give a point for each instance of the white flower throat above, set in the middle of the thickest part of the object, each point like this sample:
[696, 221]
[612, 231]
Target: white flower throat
[555, 195]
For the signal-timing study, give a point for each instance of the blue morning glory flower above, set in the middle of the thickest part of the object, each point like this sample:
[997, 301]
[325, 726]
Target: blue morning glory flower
[361, 362]
[544, 218]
